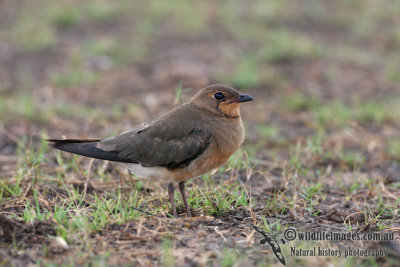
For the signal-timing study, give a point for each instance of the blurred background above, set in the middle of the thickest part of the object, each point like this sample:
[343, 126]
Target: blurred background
[72, 67]
[95, 68]
[325, 76]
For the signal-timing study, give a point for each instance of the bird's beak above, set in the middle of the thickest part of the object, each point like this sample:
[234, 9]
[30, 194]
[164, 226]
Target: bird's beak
[243, 98]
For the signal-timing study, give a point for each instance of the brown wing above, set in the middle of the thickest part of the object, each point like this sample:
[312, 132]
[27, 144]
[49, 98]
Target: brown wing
[172, 141]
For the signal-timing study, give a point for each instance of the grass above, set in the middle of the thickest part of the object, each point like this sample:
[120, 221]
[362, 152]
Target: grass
[393, 149]
[108, 53]
[284, 46]
[65, 15]
[21, 104]
[181, 14]
[376, 112]
[75, 74]
[337, 114]
[167, 258]
[352, 159]
[229, 257]
[31, 35]
[246, 74]
[74, 213]
[268, 131]
[116, 206]
[78, 212]
[300, 102]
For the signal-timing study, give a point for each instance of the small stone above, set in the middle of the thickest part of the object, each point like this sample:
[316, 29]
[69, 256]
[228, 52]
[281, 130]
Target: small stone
[58, 245]
[61, 242]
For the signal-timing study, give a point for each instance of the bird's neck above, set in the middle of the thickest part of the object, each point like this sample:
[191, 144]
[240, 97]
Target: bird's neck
[229, 134]
[230, 110]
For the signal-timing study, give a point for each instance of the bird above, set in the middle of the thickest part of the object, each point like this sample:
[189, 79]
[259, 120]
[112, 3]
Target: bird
[190, 140]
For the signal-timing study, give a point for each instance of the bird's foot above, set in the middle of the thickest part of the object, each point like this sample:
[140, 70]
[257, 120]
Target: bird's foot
[182, 190]
[171, 199]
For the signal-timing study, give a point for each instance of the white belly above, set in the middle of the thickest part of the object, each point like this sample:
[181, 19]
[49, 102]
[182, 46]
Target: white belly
[159, 173]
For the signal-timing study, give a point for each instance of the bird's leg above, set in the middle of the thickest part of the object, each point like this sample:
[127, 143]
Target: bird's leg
[171, 199]
[182, 189]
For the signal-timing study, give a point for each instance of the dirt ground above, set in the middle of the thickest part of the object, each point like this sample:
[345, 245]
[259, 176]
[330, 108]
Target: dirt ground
[322, 146]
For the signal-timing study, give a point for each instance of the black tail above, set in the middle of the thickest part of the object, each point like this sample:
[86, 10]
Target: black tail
[87, 148]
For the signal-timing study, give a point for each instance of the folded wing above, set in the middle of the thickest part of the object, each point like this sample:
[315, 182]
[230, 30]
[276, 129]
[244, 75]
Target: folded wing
[160, 144]
[168, 142]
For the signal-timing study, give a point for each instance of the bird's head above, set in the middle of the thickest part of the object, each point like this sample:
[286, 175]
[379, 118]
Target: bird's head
[220, 100]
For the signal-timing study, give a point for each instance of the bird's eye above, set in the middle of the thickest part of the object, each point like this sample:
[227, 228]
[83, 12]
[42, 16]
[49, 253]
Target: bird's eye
[219, 96]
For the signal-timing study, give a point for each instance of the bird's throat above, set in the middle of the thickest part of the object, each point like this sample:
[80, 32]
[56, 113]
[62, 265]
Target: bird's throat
[230, 110]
